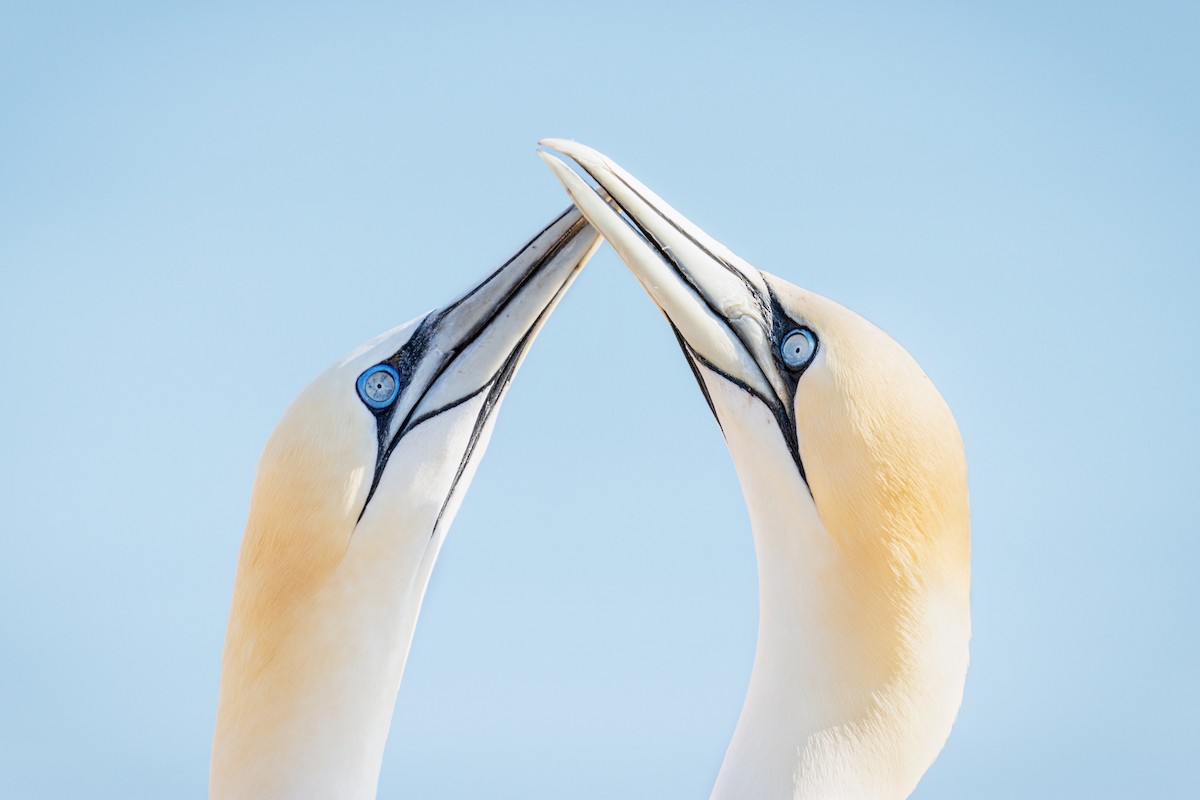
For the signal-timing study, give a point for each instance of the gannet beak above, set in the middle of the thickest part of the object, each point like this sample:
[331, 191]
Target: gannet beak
[473, 345]
[486, 331]
[718, 304]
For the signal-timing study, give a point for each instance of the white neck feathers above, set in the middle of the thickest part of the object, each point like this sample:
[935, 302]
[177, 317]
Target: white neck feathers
[859, 670]
[323, 616]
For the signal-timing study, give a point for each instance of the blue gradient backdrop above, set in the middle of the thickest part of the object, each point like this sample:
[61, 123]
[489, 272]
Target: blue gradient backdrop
[201, 207]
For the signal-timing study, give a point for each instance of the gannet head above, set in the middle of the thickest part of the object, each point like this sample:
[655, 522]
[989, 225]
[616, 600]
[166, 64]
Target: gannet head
[349, 454]
[354, 492]
[853, 471]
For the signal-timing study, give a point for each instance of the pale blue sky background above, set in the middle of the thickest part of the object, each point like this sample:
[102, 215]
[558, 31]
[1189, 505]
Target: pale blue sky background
[200, 208]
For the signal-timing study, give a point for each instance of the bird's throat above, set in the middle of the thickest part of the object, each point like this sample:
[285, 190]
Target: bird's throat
[857, 675]
[315, 651]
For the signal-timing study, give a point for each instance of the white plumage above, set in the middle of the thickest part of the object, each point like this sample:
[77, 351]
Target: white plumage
[355, 491]
[853, 472]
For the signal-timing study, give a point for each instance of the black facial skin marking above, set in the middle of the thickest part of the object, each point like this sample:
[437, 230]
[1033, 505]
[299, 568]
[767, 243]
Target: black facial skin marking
[406, 360]
[769, 309]
[781, 326]
[690, 358]
[779, 408]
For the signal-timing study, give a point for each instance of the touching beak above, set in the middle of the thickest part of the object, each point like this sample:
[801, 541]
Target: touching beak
[719, 306]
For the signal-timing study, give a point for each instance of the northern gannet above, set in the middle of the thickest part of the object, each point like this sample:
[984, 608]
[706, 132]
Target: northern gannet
[853, 473]
[354, 493]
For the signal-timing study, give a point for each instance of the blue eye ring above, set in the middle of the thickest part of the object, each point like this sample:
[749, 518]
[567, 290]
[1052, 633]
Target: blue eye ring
[381, 392]
[798, 353]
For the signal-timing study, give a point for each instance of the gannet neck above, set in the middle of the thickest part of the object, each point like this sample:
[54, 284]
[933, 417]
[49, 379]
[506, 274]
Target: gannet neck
[319, 635]
[860, 660]
[853, 471]
[354, 494]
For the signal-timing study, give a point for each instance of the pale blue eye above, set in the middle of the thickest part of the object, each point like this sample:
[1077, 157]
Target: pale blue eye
[798, 348]
[379, 386]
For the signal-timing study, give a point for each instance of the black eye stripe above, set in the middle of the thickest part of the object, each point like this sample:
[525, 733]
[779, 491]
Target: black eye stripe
[783, 325]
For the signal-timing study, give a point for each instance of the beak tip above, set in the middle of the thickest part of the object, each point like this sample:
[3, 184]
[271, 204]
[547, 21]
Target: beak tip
[556, 165]
[579, 152]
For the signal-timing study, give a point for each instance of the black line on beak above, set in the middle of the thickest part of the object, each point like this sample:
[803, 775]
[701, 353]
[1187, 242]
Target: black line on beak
[406, 359]
[737, 273]
[690, 357]
[570, 234]
[779, 408]
[496, 386]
